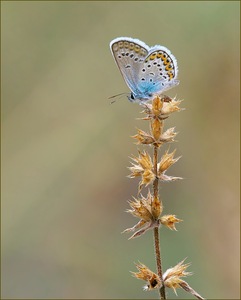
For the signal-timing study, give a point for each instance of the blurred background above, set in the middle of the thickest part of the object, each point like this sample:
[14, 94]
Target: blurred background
[65, 149]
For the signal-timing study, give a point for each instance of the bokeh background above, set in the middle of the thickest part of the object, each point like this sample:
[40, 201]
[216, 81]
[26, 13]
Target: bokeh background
[65, 149]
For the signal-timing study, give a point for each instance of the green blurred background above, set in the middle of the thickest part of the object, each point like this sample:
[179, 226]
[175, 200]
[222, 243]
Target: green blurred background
[65, 149]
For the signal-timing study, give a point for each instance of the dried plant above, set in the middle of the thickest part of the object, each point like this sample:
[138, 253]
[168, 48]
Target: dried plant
[149, 209]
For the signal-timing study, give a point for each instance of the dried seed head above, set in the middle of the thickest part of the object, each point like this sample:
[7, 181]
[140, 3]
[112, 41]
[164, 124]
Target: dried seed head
[148, 210]
[161, 107]
[143, 138]
[140, 209]
[172, 276]
[171, 106]
[167, 161]
[173, 282]
[147, 177]
[145, 160]
[170, 221]
[153, 281]
[178, 270]
[168, 135]
[142, 167]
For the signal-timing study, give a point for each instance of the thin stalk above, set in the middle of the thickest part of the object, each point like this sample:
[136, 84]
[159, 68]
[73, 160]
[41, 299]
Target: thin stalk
[156, 229]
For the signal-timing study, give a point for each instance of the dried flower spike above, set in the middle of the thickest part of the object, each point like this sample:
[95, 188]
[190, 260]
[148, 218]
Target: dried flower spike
[153, 281]
[156, 72]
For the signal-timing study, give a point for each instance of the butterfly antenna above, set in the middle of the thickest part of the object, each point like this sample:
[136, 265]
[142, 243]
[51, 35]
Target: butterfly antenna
[119, 97]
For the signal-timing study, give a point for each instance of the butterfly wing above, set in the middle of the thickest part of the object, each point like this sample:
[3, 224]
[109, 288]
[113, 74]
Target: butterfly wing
[159, 71]
[129, 55]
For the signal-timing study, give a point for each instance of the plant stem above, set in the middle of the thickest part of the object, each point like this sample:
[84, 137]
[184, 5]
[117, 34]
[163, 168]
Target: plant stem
[155, 183]
[156, 229]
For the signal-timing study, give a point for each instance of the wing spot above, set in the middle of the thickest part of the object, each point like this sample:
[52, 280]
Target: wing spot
[143, 52]
[143, 79]
[131, 46]
[137, 48]
[120, 45]
[153, 56]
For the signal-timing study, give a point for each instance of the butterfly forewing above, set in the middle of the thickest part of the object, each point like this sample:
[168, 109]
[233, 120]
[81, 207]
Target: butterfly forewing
[129, 55]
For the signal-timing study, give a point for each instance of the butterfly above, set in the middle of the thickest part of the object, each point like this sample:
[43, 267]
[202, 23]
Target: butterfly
[147, 71]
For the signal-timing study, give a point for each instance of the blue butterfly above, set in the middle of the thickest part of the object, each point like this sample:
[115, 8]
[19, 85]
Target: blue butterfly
[148, 71]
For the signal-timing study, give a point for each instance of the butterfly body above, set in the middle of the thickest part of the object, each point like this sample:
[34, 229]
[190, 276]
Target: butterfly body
[147, 71]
